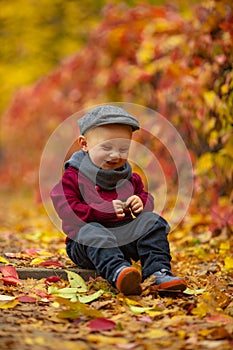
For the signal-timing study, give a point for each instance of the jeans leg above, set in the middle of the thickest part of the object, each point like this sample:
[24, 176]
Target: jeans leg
[153, 249]
[107, 261]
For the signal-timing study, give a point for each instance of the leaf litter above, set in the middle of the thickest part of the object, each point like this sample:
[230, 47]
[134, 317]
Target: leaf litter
[53, 313]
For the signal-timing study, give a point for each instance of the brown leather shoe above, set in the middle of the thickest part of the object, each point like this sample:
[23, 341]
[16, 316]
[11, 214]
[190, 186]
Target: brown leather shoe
[129, 281]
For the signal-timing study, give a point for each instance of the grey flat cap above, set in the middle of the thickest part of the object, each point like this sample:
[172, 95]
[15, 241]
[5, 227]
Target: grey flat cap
[106, 114]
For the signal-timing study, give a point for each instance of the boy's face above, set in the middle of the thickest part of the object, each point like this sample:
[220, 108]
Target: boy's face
[107, 145]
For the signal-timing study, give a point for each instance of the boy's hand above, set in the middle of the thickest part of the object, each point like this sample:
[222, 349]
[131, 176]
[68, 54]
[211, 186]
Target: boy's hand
[119, 208]
[135, 204]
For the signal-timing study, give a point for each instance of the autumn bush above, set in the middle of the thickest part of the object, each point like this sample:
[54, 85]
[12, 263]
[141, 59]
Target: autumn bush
[177, 64]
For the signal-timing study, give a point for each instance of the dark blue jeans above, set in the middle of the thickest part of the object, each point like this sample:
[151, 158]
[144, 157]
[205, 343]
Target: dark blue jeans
[151, 247]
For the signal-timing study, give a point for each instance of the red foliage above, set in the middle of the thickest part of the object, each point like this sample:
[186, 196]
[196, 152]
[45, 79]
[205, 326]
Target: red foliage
[10, 275]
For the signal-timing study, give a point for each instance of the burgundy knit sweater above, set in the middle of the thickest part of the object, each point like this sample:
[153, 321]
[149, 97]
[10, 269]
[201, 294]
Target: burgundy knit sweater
[78, 201]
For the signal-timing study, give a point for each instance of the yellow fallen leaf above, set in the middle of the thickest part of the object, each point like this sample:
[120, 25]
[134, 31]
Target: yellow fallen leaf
[62, 251]
[37, 261]
[44, 253]
[4, 261]
[201, 309]
[228, 263]
[182, 334]
[9, 304]
[130, 301]
[154, 334]
[106, 340]
[35, 340]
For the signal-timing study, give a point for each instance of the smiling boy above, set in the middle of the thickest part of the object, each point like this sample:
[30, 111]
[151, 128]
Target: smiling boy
[106, 213]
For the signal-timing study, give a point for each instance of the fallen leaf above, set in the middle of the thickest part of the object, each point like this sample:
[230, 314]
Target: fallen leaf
[127, 346]
[201, 309]
[52, 279]
[146, 319]
[45, 253]
[52, 263]
[76, 281]
[10, 275]
[36, 261]
[11, 280]
[9, 304]
[42, 294]
[4, 297]
[11, 255]
[102, 339]
[89, 298]
[76, 309]
[31, 251]
[3, 260]
[155, 334]
[194, 291]
[26, 299]
[220, 318]
[101, 324]
[139, 309]
[9, 271]
[66, 293]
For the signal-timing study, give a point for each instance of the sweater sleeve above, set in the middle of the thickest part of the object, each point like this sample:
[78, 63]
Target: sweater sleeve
[67, 198]
[146, 197]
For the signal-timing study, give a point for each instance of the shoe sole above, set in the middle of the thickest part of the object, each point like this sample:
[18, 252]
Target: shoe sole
[178, 286]
[129, 281]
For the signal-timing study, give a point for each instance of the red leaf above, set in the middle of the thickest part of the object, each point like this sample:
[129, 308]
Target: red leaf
[9, 271]
[10, 275]
[52, 263]
[42, 294]
[11, 280]
[52, 279]
[26, 299]
[101, 324]
[31, 251]
[223, 319]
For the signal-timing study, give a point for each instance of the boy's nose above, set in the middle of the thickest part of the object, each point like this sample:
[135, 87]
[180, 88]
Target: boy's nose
[114, 154]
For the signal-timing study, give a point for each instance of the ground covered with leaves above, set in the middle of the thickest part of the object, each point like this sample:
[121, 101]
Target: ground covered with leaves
[52, 313]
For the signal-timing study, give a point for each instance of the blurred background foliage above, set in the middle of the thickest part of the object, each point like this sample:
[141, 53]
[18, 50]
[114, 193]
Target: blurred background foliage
[35, 35]
[174, 57]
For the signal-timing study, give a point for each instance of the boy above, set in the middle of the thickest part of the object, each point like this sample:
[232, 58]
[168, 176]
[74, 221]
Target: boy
[106, 213]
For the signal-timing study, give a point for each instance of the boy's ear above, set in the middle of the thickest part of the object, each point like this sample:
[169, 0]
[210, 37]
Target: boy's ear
[83, 143]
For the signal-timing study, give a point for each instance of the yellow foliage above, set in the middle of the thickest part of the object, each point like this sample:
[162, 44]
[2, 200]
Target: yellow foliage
[204, 163]
[228, 263]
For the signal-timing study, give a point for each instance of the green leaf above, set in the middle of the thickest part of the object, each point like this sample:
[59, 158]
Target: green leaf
[67, 293]
[88, 298]
[139, 309]
[76, 281]
[194, 291]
